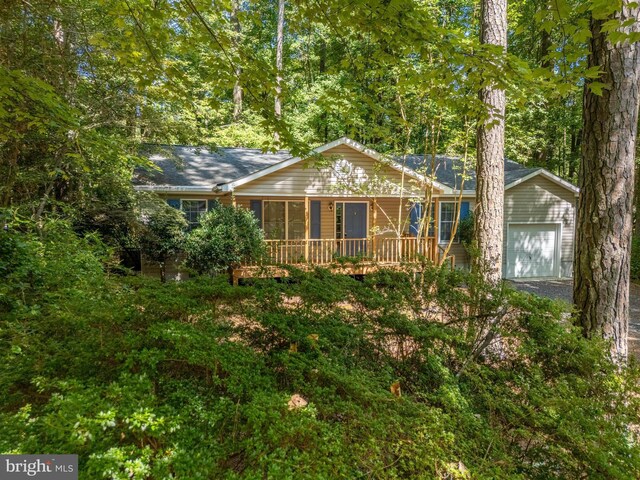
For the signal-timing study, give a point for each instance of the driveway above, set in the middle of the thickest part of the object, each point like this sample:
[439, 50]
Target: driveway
[563, 290]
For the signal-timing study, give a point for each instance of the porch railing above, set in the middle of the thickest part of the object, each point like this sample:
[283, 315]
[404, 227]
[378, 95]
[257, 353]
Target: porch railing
[327, 251]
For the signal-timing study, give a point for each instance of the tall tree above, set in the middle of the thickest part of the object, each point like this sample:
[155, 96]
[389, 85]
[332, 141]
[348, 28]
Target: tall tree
[605, 204]
[279, 66]
[237, 87]
[490, 151]
[636, 233]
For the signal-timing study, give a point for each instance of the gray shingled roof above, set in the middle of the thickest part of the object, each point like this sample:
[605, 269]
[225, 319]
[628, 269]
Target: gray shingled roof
[186, 166]
[449, 169]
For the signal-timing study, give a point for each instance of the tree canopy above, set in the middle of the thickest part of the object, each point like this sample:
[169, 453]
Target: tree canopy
[97, 78]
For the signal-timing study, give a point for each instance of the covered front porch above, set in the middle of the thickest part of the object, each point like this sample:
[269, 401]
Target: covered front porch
[353, 235]
[315, 229]
[331, 250]
[353, 256]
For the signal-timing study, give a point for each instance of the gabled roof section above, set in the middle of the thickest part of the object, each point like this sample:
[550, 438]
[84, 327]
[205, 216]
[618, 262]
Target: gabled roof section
[546, 174]
[324, 148]
[448, 171]
[201, 169]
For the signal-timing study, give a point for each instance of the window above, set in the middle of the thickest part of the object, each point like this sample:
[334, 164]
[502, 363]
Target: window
[274, 220]
[447, 218]
[193, 209]
[352, 219]
[295, 222]
[416, 219]
[283, 220]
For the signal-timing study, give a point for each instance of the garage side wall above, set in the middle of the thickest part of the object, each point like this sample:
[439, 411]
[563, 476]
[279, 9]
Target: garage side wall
[541, 201]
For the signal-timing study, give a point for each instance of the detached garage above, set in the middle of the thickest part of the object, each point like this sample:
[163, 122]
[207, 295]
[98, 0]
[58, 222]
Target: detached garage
[539, 227]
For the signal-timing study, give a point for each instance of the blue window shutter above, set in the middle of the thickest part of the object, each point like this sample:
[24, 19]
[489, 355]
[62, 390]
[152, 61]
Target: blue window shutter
[256, 208]
[211, 204]
[314, 219]
[415, 215]
[174, 202]
[464, 210]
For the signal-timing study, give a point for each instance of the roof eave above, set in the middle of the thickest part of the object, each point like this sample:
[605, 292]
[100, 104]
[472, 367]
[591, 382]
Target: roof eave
[548, 175]
[176, 188]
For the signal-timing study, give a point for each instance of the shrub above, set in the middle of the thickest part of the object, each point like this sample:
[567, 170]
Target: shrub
[227, 236]
[466, 228]
[162, 231]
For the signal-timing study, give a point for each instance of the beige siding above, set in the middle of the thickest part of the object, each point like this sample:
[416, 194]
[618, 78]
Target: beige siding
[245, 202]
[460, 255]
[303, 178]
[391, 218]
[540, 200]
[327, 219]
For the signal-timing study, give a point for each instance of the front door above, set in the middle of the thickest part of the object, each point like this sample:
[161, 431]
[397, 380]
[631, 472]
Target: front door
[355, 229]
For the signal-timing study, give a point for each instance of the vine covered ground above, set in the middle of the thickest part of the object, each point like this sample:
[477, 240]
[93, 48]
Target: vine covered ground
[395, 375]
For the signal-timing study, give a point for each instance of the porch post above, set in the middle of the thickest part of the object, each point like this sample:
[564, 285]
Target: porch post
[306, 228]
[436, 226]
[374, 236]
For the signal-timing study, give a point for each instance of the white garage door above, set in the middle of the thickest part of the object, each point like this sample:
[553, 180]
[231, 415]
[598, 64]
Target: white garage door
[532, 250]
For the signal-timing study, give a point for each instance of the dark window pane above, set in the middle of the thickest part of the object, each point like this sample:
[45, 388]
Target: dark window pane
[193, 209]
[274, 224]
[296, 221]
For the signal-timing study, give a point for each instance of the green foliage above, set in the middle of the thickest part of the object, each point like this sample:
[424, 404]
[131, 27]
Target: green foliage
[78, 102]
[466, 228]
[226, 236]
[163, 230]
[193, 379]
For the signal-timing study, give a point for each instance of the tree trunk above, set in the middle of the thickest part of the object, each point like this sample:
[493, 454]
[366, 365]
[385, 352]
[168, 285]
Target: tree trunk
[324, 118]
[490, 164]
[603, 236]
[10, 172]
[545, 47]
[279, 46]
[636, 234]
[573, 161]
[237, 88]
[163, 272]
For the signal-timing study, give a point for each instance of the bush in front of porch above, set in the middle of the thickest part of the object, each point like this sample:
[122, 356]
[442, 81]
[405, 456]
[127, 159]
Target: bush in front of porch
[227, 236]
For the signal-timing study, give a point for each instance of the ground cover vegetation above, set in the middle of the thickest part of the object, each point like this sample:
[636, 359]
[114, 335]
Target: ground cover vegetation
[195, 379]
